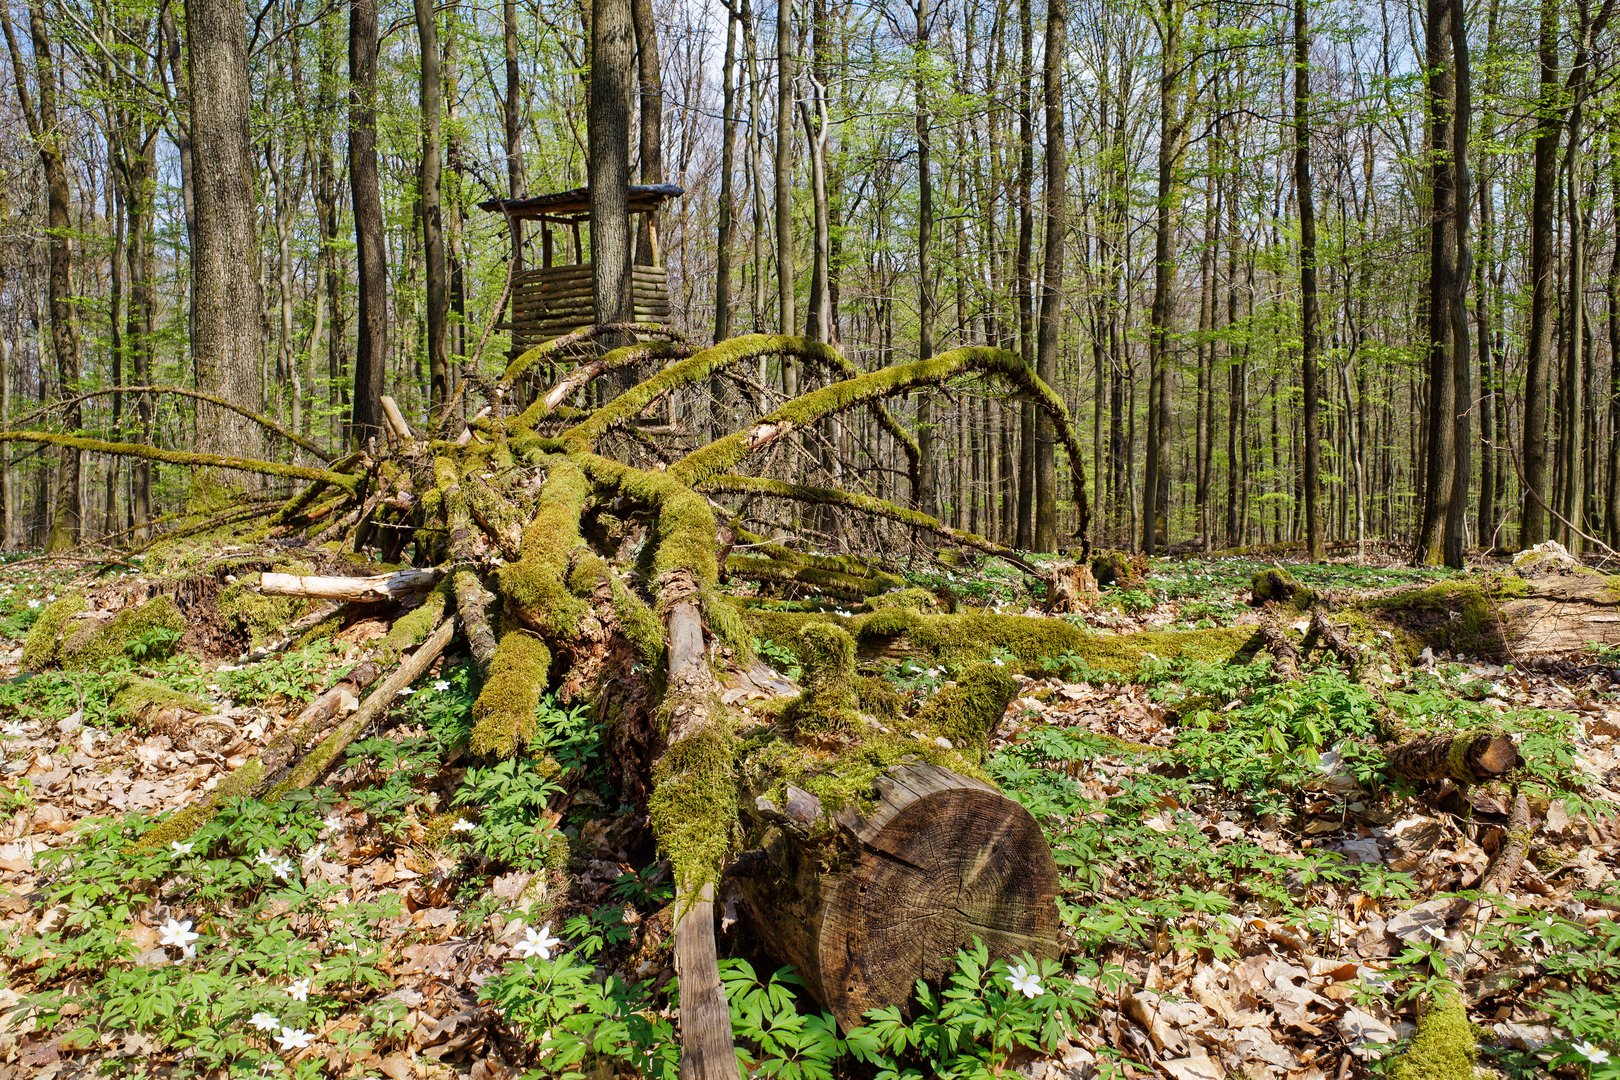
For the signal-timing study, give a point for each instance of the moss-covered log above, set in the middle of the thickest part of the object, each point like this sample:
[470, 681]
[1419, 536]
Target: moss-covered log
[1469, 758]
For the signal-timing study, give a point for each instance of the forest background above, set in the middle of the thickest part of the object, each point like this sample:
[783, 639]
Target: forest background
[1311, 272]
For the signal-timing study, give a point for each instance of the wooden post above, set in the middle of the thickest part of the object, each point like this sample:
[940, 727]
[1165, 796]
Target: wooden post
[545, 244]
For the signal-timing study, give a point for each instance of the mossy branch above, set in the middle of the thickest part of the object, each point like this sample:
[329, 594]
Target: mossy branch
[866, 504]
[722, 455]
[705, 364]
[180, 457]
[585, 374]
[525, 361]
[263, 421]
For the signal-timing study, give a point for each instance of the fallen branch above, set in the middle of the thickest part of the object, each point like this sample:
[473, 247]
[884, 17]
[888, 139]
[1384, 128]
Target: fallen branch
[1498, 879]
[1466, 759]
[180, 457]
[378, 588]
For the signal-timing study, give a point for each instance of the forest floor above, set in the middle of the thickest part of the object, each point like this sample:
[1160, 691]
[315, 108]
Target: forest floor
[1245, 893]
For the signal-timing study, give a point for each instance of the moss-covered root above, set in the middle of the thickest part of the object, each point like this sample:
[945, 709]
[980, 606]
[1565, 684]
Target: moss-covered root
[150, 705]
[967, 711]
[1275, 585]
[536, 585]
[1444, 1047]
[828, 704]
[504, 714]
[472, 607]
[95, 644]
[39, 648]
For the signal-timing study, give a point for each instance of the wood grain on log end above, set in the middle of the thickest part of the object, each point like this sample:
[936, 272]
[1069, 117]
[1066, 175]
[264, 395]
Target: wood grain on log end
[938, 860]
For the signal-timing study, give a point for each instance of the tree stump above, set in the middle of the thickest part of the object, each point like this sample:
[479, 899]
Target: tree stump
[891, 894]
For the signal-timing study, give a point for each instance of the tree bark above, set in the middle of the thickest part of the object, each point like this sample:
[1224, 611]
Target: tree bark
[728, 166]
[1533, 510]
[612, 76]
[1051, 319]
[1309, 307]
[225, 284]
[431, 198]
[371, 343]
[926, 496]
[44, 128]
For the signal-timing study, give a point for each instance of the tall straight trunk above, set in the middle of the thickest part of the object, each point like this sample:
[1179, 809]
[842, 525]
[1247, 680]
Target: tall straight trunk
[926, 496]
[512, 103]
[728, 166]
[784, 181]
[1051, 319]
[455, 160]
[327, 197]
[1156, 481]
[1461, 271]
[1025, 269]
[44, 128]
[756, 163]
[650, 80]
[138, 328]
[813, 113]
[118, 203]
[1309, 306]
[1204, 438]
[225, 285]
[371, 342]
[1543, 285]
[1483, 321]
[1438, 446]
[612, 64]
[1611, 514]
[1573, 409]
[430, 197]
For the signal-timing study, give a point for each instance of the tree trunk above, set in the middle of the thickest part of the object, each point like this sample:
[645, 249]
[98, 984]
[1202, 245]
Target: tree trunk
[45, 129]
[1156, 480]
[728, 166]
[1051, 319]
[650, 76]
[431, 200]
[784, 181]
[1025, 270]
[371, 344]
[612, 76]
[1533, 510]
[225, 286]
[1309, 307]
[926, 497]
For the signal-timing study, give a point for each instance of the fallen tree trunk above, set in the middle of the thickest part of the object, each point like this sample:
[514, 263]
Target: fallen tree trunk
[1466, 759]
[379, 588]
[891, 893]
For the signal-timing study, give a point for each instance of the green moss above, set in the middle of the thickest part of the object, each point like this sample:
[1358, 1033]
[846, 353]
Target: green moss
[261, 618]
[504, 714]
[1274, 585]
[693, 808]
[639, 623]
[912, 599]
[971, 637]
[39, 648]
[726, 623]
[966, 711]
[137, 698]
[536, 585]
[588, 570]
[878, 698]
[826, 579]
[843, 778]
[828, 705]
[1119, 569]
[1444, 1047]
[99, 643]
[1459, 616]
[413, 627]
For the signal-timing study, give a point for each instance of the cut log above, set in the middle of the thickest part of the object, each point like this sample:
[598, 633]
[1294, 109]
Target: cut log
[938, 860]
[378, 588]
[1466, 759]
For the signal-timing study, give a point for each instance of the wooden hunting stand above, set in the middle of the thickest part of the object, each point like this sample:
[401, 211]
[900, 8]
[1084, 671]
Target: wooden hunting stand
[556, 297]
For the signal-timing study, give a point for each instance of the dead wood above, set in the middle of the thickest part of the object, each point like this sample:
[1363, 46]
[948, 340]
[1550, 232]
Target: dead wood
[378, 588]
[1465, 759]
